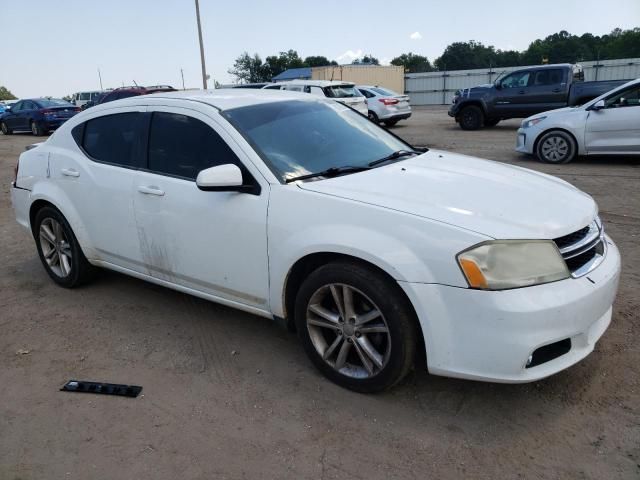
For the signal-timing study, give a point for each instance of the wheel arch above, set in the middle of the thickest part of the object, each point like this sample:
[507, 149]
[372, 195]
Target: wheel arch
[474, 103]
[49, 196]
[556, 129]
[312, 261]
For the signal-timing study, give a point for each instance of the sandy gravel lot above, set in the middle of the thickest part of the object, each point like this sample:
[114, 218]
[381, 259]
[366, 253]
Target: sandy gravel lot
[265, 412]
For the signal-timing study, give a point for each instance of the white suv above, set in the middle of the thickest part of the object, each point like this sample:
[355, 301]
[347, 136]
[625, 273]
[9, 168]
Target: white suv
[343, 92]
[293, 207]
[385, 105]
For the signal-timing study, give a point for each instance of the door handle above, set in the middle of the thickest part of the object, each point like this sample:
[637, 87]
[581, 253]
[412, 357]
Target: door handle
[522, 92]
[151, 190]
[70, 172]
[555, 90]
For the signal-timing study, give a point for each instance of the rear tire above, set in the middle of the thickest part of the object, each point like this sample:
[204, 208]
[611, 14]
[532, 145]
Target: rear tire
[390, 123]
[373, 117]
[471, 118]
[37, 129]
[356, 326]
[556, 147]
[59, 250]
[5, 129]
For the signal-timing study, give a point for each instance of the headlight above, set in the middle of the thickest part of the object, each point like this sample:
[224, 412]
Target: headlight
[532, 122]
[504, 264]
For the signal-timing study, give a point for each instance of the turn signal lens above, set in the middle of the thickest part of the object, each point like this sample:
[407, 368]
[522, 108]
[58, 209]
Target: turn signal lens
[473, 273]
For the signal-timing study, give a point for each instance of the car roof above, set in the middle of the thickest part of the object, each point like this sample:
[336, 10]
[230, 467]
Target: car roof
[221, 99]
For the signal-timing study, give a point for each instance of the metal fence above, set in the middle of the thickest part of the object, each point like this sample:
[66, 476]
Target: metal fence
[437, 88]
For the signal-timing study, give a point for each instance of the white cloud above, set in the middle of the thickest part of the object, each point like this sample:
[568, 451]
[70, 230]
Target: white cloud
[349, 56]
[385, 61]
[415, 36]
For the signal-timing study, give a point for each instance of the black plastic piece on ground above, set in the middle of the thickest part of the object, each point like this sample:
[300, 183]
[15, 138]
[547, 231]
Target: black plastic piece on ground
[81, 386]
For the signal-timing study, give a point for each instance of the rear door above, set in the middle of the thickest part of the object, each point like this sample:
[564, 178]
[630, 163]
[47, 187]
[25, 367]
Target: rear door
[98, 178]
[547, 89]
[616, 128]
[27, 112]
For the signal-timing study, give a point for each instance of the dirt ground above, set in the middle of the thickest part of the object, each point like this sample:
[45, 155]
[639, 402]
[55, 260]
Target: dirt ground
[265, 412]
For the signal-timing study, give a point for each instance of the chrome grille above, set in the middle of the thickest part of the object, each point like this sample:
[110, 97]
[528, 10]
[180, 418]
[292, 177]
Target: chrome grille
[584, 249]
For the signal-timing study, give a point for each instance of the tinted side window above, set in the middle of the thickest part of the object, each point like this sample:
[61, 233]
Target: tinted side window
[17, 107]
[183, 146]
[548, 77]
[116, 139]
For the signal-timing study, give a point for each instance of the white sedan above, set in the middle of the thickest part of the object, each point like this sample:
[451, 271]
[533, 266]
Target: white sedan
[607, 125]
[297, 208]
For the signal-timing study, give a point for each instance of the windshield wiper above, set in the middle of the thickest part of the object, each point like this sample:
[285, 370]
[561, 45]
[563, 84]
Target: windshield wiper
[395, 155]
[329, 172]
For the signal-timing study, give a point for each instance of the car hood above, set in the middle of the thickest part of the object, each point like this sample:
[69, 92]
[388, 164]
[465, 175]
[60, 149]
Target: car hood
[478, 90]
[491, 198]
[554, 112]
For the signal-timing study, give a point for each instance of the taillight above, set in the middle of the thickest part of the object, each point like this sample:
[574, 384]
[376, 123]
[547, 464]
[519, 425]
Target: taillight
[46, 111]
[389, 101]
[77, 109]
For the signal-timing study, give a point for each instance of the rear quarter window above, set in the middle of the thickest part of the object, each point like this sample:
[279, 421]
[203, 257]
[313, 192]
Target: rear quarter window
[117, 139]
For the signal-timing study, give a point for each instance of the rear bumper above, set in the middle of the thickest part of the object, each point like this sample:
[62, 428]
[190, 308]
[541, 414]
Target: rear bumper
[52, 124]
[490, 336]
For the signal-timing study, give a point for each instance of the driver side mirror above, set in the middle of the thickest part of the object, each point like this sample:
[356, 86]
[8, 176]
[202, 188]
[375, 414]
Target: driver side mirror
[599, 105]
[498, 86]
[222, 178]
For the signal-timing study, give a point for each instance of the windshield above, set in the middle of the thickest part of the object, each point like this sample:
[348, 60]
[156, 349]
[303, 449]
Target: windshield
[301, 137]
[342, 91]
[53, 102]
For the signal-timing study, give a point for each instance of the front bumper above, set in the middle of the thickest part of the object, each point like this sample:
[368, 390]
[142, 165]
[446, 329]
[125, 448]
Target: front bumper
[489, 336]
[526, 139]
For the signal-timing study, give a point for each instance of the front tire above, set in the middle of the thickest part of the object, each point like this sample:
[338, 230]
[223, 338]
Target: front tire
[356, 326]
[556, 147]
[471, 118]
[59, 250]
[5, 129]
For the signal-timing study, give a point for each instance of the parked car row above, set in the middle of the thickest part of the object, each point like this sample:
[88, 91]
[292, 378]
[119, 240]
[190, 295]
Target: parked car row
[607, 125]
[294, 208]
[525, 92]
[42, 115]
[378, 103]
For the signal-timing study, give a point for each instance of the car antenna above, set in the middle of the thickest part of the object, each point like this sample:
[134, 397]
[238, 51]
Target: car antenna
[134, 82]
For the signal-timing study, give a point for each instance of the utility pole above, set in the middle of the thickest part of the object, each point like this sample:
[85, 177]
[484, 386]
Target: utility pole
[182, 75]
[204, 69]
[100, 77]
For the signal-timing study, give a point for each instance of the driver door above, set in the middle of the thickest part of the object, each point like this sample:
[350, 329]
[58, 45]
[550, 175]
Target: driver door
[210, 242]
[615, 128]
[512, 98]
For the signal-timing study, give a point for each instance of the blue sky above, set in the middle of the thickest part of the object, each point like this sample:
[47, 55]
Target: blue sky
[54, 47]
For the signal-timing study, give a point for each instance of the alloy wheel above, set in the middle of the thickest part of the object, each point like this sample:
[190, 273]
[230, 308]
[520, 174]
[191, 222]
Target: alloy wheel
[348, 331]
[55, 246]
[555, 149]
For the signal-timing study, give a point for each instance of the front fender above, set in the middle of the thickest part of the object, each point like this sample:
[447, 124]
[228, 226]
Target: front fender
[408, 248]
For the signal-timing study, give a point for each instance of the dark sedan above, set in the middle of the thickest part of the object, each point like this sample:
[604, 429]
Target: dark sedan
[37, 115]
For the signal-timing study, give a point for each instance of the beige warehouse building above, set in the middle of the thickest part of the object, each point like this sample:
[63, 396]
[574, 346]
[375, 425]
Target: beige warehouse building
[390, 77]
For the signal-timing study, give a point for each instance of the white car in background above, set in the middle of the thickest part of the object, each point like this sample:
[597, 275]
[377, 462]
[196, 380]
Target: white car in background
[385, 105]
[607, 125]
[293, 207]
[343, 92]
[80, 99]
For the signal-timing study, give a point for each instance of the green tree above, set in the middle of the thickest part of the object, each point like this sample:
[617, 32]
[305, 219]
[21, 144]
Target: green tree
[366, 60]
[318, 61]
[275, 65]
[5, 94]
[249, 69]
[412, 63]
